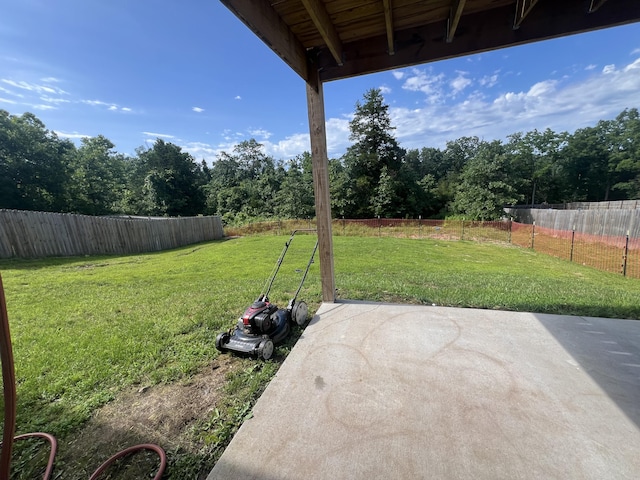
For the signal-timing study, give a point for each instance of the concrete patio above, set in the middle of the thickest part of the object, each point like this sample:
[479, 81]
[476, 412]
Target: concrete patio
[403, 391]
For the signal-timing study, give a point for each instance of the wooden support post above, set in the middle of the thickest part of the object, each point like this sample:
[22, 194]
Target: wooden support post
[320, 167]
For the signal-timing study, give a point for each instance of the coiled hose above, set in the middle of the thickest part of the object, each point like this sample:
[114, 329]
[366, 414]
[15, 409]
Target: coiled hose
[9, 390]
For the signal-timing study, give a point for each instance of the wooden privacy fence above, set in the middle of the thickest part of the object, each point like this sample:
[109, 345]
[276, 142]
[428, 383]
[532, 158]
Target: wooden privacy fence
[611, 253]
[26, 234]
[608, 222]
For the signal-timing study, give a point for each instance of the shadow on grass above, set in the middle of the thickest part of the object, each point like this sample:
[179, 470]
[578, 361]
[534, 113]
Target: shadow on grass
[96, 260]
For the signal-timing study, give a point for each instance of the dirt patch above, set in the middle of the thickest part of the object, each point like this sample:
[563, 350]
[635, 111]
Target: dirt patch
[160, 414]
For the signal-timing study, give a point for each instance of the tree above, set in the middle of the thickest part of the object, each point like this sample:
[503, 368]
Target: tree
[485, 187]
[245, 183]
[34, 165]
[97, 177]
[374, 149]
[625, 156]
[417, 181]
[171, 181]
[539, 159]
[454, 159]
[295, 197]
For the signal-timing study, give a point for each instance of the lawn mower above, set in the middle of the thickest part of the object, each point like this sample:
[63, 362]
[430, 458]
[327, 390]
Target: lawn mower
[263, 325]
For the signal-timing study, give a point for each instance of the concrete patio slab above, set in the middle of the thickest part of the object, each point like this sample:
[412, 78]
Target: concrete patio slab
[406, 392]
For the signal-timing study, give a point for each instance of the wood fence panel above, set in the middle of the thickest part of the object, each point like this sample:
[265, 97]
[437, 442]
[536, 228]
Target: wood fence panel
[610, 222]
[26, 234]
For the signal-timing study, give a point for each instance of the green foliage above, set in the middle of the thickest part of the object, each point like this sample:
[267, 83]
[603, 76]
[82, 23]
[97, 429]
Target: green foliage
[172, 183]
[375, 150]
[38, 171]
[97, 177]
[485, 184]
[34, 165]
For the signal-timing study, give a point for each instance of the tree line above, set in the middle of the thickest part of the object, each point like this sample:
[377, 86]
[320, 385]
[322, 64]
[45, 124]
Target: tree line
[470, 177]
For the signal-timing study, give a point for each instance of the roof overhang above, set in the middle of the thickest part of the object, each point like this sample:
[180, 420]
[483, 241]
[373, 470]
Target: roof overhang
[345, 38]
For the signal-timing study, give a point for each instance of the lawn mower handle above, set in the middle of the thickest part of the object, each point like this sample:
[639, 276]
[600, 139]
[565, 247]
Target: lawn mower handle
[265, 295]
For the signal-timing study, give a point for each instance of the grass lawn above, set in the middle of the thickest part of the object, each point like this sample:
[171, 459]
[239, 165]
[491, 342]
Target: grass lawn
[86, 331]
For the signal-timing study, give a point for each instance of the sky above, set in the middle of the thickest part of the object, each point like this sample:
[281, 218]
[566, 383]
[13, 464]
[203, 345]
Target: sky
[190, 73]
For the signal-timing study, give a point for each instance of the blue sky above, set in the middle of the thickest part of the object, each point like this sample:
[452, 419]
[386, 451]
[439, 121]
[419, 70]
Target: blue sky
[193, 74]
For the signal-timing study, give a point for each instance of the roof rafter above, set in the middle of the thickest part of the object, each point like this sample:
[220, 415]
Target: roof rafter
[482, 31]
[595, 5]
[454, 17]
[322, 21]
[260, 17]
[388, 19]
[523, 8]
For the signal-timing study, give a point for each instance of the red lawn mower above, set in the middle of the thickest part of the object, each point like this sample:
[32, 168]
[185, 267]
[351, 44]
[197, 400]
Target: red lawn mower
[263, 325]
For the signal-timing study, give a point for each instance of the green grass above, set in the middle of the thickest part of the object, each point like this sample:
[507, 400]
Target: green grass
[84, 329]
[467, 274]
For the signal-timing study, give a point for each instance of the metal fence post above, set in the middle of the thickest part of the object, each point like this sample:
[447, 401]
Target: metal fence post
[379, 227]
[573, 236]
[343, 223]
[462, 234]
[533, 234]
[419, 226]
[624, 257]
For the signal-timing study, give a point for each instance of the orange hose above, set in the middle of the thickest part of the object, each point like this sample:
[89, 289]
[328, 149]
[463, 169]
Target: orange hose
[124, 453]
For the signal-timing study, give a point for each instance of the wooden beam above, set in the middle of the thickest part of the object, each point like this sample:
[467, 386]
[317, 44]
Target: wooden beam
[478, 32]
[263, 20]
[523, 8]
[323, 23]
[454, 18]
[388, 20]
[595, 5]
[320, 169]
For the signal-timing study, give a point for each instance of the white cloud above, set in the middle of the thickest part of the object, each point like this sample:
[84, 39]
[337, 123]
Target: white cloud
[542, 88]
[489, 80]
[112, 107]
[385, 90]
[591, 67]
[609, 69]
[200, 150]
[337, 135]
[261, 133]
[158, 135]
[97, 103]
[47, 99]
[6, 100]
[632, 66]
[74, 135]
[32, 87]
[10, 92]
[459, 83]
[430, 85]
[237, 97]
[289, 147]
[398, 75]
[50, 80]
[198, 109]
[43, 107]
